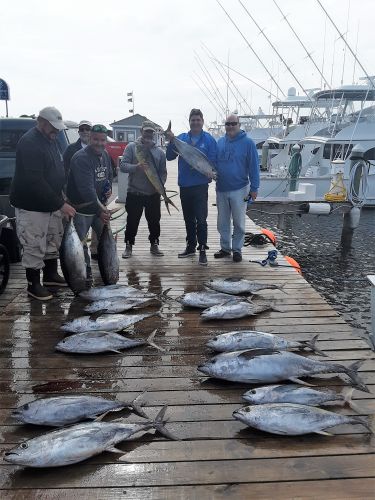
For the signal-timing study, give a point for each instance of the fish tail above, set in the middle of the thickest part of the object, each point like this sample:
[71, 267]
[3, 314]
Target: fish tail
[351, 372]
[159, 424]
[168, 202]
[137, 407]
[310, 344]
[347, 395]
[368, 422]
[274, 307]
[169, 128]
[150, 342]
[164, 297]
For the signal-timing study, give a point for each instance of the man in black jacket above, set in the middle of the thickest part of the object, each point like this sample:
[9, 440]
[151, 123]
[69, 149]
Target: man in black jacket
[37, 195]
[89, 186]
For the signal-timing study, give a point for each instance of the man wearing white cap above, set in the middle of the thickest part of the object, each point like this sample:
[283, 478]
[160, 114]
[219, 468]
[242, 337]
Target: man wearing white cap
[37, 195]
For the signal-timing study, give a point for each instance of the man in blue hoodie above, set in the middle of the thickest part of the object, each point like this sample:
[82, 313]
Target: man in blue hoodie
[237, 177]
[194, 186]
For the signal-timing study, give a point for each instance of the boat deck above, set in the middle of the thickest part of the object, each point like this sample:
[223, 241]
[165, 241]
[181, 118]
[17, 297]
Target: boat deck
[217, 456]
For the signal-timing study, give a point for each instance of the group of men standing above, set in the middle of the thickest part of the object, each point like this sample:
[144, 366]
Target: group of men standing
[43, 193]
[235, 160]
[49, 187]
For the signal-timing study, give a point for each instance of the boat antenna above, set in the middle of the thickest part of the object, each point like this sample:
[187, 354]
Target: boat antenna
[370, 80]
[356, 49]
[301, 42]
[223, 76]
[345, 35]
[209, 78]
[275, 50]
[207, 96]
[324, 50]
[250, 47]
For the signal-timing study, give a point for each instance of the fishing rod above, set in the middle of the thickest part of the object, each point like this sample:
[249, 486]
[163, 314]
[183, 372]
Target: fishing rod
[301, 42]
[342, 36]
[220, 70]
[250, 47]
[207, 97]
[210, 93]
[209, 78]
[275, 50]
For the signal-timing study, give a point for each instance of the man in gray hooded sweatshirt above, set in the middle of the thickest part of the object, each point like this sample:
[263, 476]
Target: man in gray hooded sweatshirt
[141, 193]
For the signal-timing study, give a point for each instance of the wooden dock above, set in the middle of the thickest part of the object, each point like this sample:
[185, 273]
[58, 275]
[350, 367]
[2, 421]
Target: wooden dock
[218, 457]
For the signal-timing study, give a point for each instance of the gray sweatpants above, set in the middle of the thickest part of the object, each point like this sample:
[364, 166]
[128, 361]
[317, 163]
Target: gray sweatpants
[40, 234]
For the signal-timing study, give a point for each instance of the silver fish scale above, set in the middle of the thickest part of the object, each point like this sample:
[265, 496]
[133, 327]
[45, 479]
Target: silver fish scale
[194, 158]
[73, 444]
[291, 419]
[64, 410]
[234, 310]
[72, 259]
[291, 393]
[114, 322]
[249, 339]
[237, 286]
[93, 342]
[110, 291]
[205, 299]
[116, 305]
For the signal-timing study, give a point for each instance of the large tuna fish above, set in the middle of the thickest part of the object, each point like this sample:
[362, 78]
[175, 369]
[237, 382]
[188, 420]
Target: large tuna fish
[72, 259]
[58, 411]
[251, 339]
[117, 305]
[263, 366]
[238, 286]
[205, 299]
[194, 157]
[294, 420]
[74, 444]
[234, 309]
[110, 291]
[109, 265]
[94, 342]
[297, 394]
[114, 323]
[144, 155]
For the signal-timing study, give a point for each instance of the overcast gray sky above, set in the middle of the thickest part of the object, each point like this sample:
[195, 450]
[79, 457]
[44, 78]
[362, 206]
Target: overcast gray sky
[83, 57]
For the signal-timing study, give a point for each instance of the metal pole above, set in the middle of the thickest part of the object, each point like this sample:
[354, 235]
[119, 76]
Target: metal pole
[371, 279]
[6, 107]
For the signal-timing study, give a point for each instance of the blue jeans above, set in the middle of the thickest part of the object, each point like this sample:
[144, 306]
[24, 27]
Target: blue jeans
[82, 224]
[231, 206]
[194, 201]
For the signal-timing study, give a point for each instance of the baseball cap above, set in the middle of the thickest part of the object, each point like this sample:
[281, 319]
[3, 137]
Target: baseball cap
[147, 125]
[84, 122]
[99, 128]
[53, 116]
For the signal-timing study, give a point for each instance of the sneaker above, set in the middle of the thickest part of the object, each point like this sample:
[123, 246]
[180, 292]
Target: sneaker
[154, 249]
[221, 253]
[237, 257]
[202, 257]
[128, 251]
[189, 252]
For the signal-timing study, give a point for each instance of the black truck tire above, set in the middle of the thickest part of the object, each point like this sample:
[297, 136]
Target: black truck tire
[4, 268]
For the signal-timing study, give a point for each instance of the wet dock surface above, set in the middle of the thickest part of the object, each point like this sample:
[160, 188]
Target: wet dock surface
[218, 456]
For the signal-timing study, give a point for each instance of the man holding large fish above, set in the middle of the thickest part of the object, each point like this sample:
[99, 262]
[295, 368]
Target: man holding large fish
[89, 186]
[145, 163]
[196, 151]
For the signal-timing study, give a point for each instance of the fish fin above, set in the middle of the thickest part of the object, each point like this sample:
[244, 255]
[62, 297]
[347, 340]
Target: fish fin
[169, 128]
[94, 316]
[117, 352]
[347, 394]
[168, 202]
[368, 422]
[159, 425]
[164, 295]
[150, 342]
[310, 344]
[324, 433]
[98, 418]
[351, 372]
[112, 449]
[282, 288]
[301, 382]
[137, 408]
[274, 307]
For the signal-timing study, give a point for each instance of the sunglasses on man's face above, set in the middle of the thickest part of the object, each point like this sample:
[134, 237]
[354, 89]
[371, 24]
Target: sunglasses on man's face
[231, 124]
[84, 129]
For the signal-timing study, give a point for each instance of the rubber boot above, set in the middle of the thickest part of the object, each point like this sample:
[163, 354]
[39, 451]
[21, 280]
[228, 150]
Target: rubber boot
[50, 274]
[34, 288]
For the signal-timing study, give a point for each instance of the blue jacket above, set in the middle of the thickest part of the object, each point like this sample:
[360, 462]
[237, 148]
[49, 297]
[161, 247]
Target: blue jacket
[187, 175]
[237, 163]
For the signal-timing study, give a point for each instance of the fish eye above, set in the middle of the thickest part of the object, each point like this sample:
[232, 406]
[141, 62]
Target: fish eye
[247, 409]
[26, 406]
[24, 446]
[253, 391]
[214, 339]
[213, 361]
